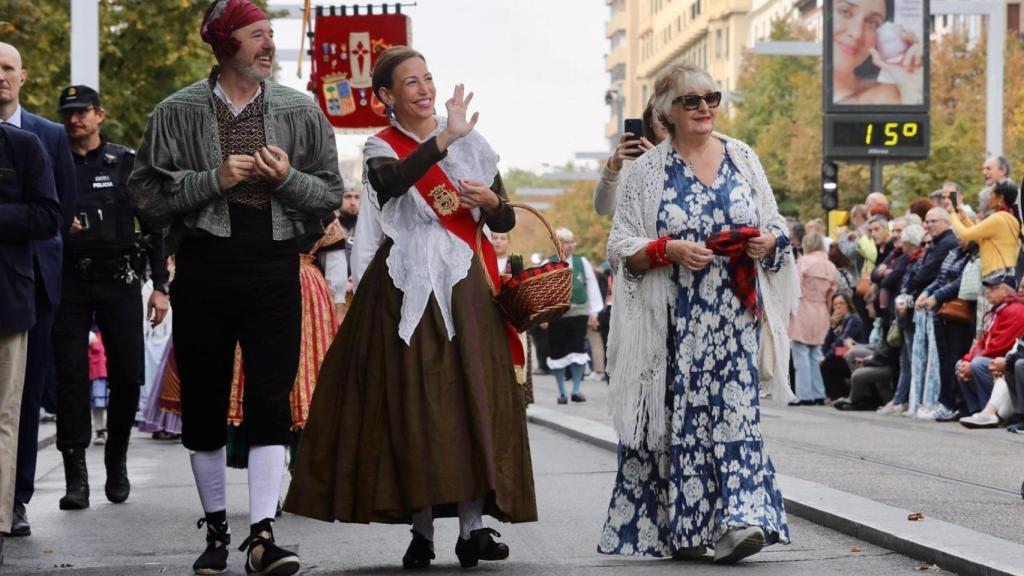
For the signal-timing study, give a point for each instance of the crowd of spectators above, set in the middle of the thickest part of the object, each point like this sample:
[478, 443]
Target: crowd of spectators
[916, 311]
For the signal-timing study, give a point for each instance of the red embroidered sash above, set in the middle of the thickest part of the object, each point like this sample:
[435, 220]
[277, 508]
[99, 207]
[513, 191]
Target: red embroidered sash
[443, 197]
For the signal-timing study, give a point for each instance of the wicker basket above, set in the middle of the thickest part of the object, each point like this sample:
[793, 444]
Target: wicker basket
[541, 293]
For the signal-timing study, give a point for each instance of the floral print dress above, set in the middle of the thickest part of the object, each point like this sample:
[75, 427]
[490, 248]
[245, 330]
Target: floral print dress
[714, 474]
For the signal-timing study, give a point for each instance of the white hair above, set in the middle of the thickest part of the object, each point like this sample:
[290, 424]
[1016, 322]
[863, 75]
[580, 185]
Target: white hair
[564, 234]
[675, 81]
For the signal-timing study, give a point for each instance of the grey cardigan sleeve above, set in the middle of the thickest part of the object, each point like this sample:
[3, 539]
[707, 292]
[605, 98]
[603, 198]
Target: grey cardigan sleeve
[159, 187]
[313, 184]
[606, 192]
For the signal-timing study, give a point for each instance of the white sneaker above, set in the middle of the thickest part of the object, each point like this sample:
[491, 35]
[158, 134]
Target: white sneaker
[595, 376]
[738, 543]
[890, 409]
[980, 420]
[930, 414]
[944, 414]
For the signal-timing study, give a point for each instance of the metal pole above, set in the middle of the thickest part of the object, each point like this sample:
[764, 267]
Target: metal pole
[994, 81]
[876, 175]
[85, 43]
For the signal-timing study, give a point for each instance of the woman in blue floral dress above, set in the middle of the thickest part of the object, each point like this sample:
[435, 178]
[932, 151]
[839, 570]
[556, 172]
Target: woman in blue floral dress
[704, 249]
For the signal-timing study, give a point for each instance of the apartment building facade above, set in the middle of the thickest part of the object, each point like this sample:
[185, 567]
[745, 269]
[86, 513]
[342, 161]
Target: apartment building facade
[645, 36]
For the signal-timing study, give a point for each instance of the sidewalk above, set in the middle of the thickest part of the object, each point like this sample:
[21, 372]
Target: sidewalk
[863, 474]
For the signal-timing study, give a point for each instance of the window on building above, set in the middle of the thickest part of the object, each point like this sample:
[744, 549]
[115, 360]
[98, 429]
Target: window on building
[643, 95]
[718, 44]
[726, 49]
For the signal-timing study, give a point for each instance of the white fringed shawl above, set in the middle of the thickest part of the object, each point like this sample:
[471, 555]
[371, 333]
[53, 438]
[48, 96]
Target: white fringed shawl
[637, 353]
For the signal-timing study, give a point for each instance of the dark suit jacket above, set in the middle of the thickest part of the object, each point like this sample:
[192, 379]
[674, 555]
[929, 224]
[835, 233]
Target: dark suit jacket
[28, 211]
[58, 149]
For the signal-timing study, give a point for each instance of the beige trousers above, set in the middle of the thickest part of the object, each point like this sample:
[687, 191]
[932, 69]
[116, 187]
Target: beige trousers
[13, 354]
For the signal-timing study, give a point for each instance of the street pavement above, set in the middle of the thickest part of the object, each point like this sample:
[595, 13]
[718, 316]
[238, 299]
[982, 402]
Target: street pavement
[970, 478]
[155, 531]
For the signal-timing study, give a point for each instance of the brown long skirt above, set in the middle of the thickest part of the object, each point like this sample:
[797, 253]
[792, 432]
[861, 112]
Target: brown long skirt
[394, 428]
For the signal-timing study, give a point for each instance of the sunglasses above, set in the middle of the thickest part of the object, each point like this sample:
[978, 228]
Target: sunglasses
[692, 101]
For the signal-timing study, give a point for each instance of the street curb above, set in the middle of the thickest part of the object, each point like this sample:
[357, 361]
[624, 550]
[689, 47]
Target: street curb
[951, 547]
[47, 441]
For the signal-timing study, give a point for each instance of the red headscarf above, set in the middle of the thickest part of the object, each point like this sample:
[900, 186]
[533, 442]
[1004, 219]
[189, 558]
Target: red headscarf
[222, 18]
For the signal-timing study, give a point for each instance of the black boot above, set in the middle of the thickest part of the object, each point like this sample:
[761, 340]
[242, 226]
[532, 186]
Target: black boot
[76, 478]
[480, 546]
[419, 554]
[115, 457]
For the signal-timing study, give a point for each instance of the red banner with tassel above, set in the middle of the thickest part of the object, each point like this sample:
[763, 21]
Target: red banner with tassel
[344, 50]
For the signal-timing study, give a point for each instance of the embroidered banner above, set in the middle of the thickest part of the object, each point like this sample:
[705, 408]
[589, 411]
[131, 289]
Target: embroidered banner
[345, 48]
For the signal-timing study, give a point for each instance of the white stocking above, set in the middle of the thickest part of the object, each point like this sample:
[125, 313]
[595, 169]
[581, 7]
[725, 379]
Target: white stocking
[208, 468]
[266, 469]
[423, 522]
[470, 516]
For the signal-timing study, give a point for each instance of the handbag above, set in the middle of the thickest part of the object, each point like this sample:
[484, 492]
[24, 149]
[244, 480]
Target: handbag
[970, 281]
[895, 336]
[961, 311]
[863, 285]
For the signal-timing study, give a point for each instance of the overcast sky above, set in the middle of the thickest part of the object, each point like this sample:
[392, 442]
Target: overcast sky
[536, 68]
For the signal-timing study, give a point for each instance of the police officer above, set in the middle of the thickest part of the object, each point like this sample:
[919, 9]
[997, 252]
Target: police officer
[104, 261]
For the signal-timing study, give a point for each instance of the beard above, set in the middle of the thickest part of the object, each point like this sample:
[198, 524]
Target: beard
[251, 71]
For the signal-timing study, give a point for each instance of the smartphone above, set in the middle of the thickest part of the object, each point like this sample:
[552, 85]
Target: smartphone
[953, 199]
[83, 219]
[634, 126]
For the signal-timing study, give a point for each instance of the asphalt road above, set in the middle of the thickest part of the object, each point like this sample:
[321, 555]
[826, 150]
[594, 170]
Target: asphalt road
[155, 531]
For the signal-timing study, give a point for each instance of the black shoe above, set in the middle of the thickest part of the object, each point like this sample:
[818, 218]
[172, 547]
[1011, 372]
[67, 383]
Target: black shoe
[19, 522]
[76, 479]
[818, 402]
[847, 406]
[115, 457]
[214, 560]
[578, 398]
[480, 546]
[419, 554]
[165, 435]
[563, 400]
[273, 561]
[799, 403]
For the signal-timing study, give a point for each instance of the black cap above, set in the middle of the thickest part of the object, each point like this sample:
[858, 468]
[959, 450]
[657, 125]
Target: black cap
[994, 280]
[78, 97]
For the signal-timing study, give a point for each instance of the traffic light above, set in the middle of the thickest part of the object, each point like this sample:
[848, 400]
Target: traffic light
[829, 185]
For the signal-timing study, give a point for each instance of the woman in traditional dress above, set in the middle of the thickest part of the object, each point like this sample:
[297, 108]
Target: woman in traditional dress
[707, 273]
[418, 413]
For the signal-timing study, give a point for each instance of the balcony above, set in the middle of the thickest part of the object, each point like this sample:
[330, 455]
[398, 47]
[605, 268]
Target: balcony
[617, 22]
[616, 57]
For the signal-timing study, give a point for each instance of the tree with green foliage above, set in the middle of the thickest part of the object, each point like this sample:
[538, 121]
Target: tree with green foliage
[148, 50]
[779, 113]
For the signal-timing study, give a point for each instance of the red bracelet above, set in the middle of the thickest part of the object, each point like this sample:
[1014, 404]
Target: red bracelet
[656, 252]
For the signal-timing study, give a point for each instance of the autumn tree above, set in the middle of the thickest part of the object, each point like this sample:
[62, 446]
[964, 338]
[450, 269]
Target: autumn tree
[779, 113]
[148, 50]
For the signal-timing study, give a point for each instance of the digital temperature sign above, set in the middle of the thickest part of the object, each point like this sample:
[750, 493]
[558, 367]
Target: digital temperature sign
[876, 136]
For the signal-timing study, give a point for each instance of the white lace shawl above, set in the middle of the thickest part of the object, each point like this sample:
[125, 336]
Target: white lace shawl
[425, 258]
[637, 355]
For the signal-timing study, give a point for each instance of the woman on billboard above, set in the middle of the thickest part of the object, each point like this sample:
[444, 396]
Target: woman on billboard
[876, 59]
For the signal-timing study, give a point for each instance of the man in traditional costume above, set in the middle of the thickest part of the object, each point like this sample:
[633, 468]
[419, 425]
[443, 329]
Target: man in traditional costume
[567, 336]
[244, 171]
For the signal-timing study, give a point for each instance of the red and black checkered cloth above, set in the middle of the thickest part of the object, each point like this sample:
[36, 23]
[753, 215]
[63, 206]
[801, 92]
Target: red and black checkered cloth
[742, 274]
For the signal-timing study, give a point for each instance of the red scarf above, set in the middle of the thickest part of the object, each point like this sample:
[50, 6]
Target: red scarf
[443, 197]
[742, 274]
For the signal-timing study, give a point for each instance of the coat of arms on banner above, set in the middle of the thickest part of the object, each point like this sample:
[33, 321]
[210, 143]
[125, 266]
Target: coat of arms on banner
[345, 49]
